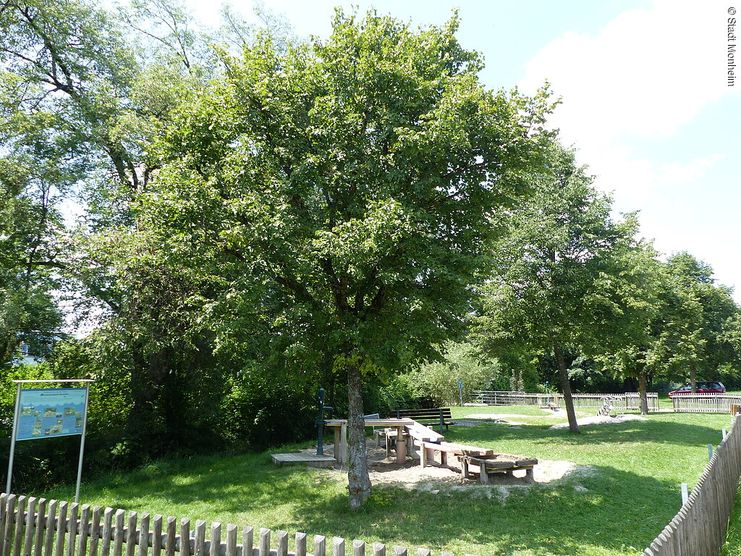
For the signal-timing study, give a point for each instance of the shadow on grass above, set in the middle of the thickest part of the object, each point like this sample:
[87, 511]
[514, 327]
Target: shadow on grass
[606, 511]
[609, 511]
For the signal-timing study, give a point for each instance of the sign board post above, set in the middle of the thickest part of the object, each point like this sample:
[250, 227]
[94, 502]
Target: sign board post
[49, 413]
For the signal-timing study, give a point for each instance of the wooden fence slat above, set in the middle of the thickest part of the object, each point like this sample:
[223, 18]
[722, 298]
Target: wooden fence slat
[157, 536]
[30, 519]
[320, 545]
[118, 538]
[248, 540]
[83, 530]
[51, 526]
[108, 532]
[215, 539]
[300, 544]
[74, 510]
[18, 535]
[264, 542]
[144, 535]
[200, 541]
[379, 549]
[171, 536]
[424, 552]
[358, 548]
[95, 531]
[231, 540]
[39, 527]
[282, 543]
[3, 512]
[185, 537]
[131, 534]
[11, 503]
[61, 529]
[338, 546]
[400, 551]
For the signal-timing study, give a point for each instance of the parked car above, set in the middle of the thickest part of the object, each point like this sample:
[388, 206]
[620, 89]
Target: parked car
[703, 387]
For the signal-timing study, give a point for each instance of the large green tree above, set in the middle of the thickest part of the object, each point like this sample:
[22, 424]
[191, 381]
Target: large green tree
[552, 290]
[342, 192]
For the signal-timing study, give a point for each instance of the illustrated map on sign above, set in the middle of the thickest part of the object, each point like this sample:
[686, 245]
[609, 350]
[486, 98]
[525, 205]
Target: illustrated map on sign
[50, 412]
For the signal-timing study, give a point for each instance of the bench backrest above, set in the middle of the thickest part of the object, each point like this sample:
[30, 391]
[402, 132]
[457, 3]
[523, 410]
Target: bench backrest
[425, 414]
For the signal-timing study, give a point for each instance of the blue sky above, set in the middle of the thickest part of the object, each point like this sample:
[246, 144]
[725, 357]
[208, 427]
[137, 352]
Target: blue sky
[645, 98]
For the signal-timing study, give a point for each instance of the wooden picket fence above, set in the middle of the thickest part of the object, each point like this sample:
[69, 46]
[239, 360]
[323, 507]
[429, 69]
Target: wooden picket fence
[705, 403]
[627, 401]
[699, 528]
[37, 527]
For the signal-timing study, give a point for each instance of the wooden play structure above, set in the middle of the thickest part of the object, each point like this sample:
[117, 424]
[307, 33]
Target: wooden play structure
[405, 435]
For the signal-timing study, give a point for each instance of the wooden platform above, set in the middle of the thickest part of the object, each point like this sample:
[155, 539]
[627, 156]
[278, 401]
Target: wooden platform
[302, 457]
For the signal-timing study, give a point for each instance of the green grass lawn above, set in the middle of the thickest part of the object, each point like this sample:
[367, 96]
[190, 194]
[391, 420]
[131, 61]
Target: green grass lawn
[616, 505]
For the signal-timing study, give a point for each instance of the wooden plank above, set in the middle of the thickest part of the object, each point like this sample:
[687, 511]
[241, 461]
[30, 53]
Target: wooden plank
[131, 534]
[19, 522]
[51, 525]
[38, 543]
[84, 530]
[424, 552]
[320, 545]
[215, 539]
[3, 517]
[338, 546]
[200, 540]
[72, 528]
[95, 531]
[282, 543]
[105, 547]
[61, 529]
[379, 549]
[400, 551]
[144, 535]
[119, 533]
[157, 535]
[248, 539]
[358, 548]
[264, 542]
[30, 519]
[231, 540]
[185, 537]
[171, 536]
[300, 544]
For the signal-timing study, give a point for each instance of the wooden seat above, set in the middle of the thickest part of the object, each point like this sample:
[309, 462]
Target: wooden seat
[437, 416]
[501, 463]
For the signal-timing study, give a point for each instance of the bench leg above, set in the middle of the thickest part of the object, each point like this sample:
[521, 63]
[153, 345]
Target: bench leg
[444, 459]
[529, 476]
[423, 455]
[483, 475]
[464, 468]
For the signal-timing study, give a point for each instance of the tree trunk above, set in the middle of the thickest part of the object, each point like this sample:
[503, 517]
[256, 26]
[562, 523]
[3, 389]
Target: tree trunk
[566, 388]
[358, 481]
[693, 380]
[642, 381]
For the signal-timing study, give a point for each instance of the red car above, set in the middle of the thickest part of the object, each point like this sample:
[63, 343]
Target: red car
[709, 387]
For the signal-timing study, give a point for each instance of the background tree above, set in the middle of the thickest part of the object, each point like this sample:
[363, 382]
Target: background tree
[342, 191]
[550, 287]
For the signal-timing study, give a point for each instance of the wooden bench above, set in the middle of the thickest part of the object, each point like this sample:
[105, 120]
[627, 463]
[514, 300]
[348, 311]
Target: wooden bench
[433, 416]
[500, 463]
[429, 449]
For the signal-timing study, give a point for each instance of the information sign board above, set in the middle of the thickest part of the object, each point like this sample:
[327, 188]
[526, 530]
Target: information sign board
[50, 412]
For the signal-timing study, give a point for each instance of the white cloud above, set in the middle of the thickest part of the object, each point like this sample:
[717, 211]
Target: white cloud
[629, 87]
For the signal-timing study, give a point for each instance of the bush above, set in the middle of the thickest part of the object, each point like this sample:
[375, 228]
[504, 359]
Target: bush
[439, 380]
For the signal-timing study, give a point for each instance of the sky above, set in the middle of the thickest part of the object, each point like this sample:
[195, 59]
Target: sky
[645, 98]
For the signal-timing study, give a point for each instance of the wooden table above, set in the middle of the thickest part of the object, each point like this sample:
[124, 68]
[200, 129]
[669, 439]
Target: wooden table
[340, 435]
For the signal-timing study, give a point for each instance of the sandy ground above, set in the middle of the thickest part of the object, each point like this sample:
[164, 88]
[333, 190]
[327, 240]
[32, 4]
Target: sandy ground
[436, 479]
[601, 420]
